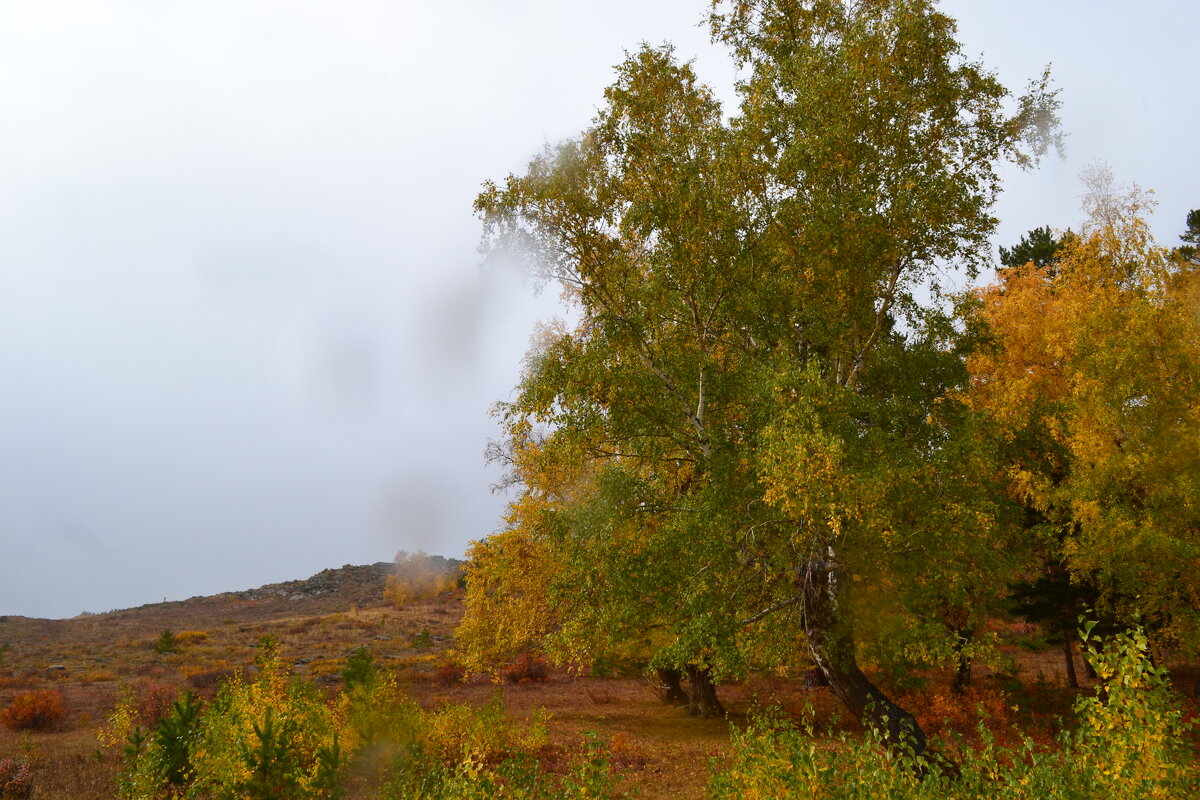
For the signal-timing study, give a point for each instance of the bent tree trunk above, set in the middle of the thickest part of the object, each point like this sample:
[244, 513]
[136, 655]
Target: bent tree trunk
[831, 644]
[702, 694]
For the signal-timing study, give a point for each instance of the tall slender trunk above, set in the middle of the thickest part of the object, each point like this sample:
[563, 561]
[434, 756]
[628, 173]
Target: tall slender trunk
[962, 668]
[1069, 657]
[831, 644]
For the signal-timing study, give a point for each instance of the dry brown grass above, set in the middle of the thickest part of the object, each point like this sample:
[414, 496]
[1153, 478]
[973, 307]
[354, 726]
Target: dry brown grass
[663, 753]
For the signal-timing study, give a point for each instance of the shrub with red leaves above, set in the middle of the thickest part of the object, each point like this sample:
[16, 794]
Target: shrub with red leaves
[207, 682]
[154, 701]
[15, 781]
[526, 668]
[449, 674]
[38, 710]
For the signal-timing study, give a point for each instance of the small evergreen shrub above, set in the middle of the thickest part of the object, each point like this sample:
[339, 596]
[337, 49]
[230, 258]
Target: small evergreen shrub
[274, 737]
[360, 669]
[167, 643]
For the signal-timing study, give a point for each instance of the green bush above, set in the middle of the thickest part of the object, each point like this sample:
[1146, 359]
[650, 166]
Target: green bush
[279, 737]
[517, 777]
[274, 737]
[167, 642]
[159, 762]
[360, 669]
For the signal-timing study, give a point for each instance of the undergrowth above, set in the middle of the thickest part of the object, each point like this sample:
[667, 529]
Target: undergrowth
[1130, 742]
[279, 737]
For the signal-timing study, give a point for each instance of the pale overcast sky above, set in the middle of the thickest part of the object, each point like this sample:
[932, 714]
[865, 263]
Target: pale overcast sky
[244, 335]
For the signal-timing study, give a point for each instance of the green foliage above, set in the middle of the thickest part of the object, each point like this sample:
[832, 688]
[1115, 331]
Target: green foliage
[1131, 743]
[517, 777]
[279, 737]
[272, 763]
[754, 392]
[1132, 736]
[1040, 247]
[168, 642]
[159, 762]
[360, 669]
[266, 654]
[1189, 251]
[173, 739]
[269, 738]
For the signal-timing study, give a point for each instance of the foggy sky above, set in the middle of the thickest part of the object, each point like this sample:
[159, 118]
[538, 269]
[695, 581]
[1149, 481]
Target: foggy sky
[244, 333]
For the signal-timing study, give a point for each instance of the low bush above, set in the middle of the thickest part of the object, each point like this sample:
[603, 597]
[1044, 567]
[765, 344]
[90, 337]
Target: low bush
[16, 782]
[37, 710]
[153, 700]
[208, 681]
[526, 668]
[589, 777]
[284, 738]
[1131, 743]
[167, 643]
[274, 737]
[186, 638]
[941, 710]
[460, 731]
[449, 673]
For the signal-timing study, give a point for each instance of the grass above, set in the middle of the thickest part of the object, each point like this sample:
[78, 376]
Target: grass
[664, 753]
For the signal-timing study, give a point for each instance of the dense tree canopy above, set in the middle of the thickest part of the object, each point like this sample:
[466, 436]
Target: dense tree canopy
[747, 439]
[1095, 377]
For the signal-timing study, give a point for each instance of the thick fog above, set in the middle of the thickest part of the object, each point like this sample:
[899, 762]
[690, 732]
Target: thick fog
[244, 331]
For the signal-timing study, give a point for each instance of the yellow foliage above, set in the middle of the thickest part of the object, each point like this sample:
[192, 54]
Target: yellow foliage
[1094, 378]
[121, 720]
[190, 637]
[418, 577]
